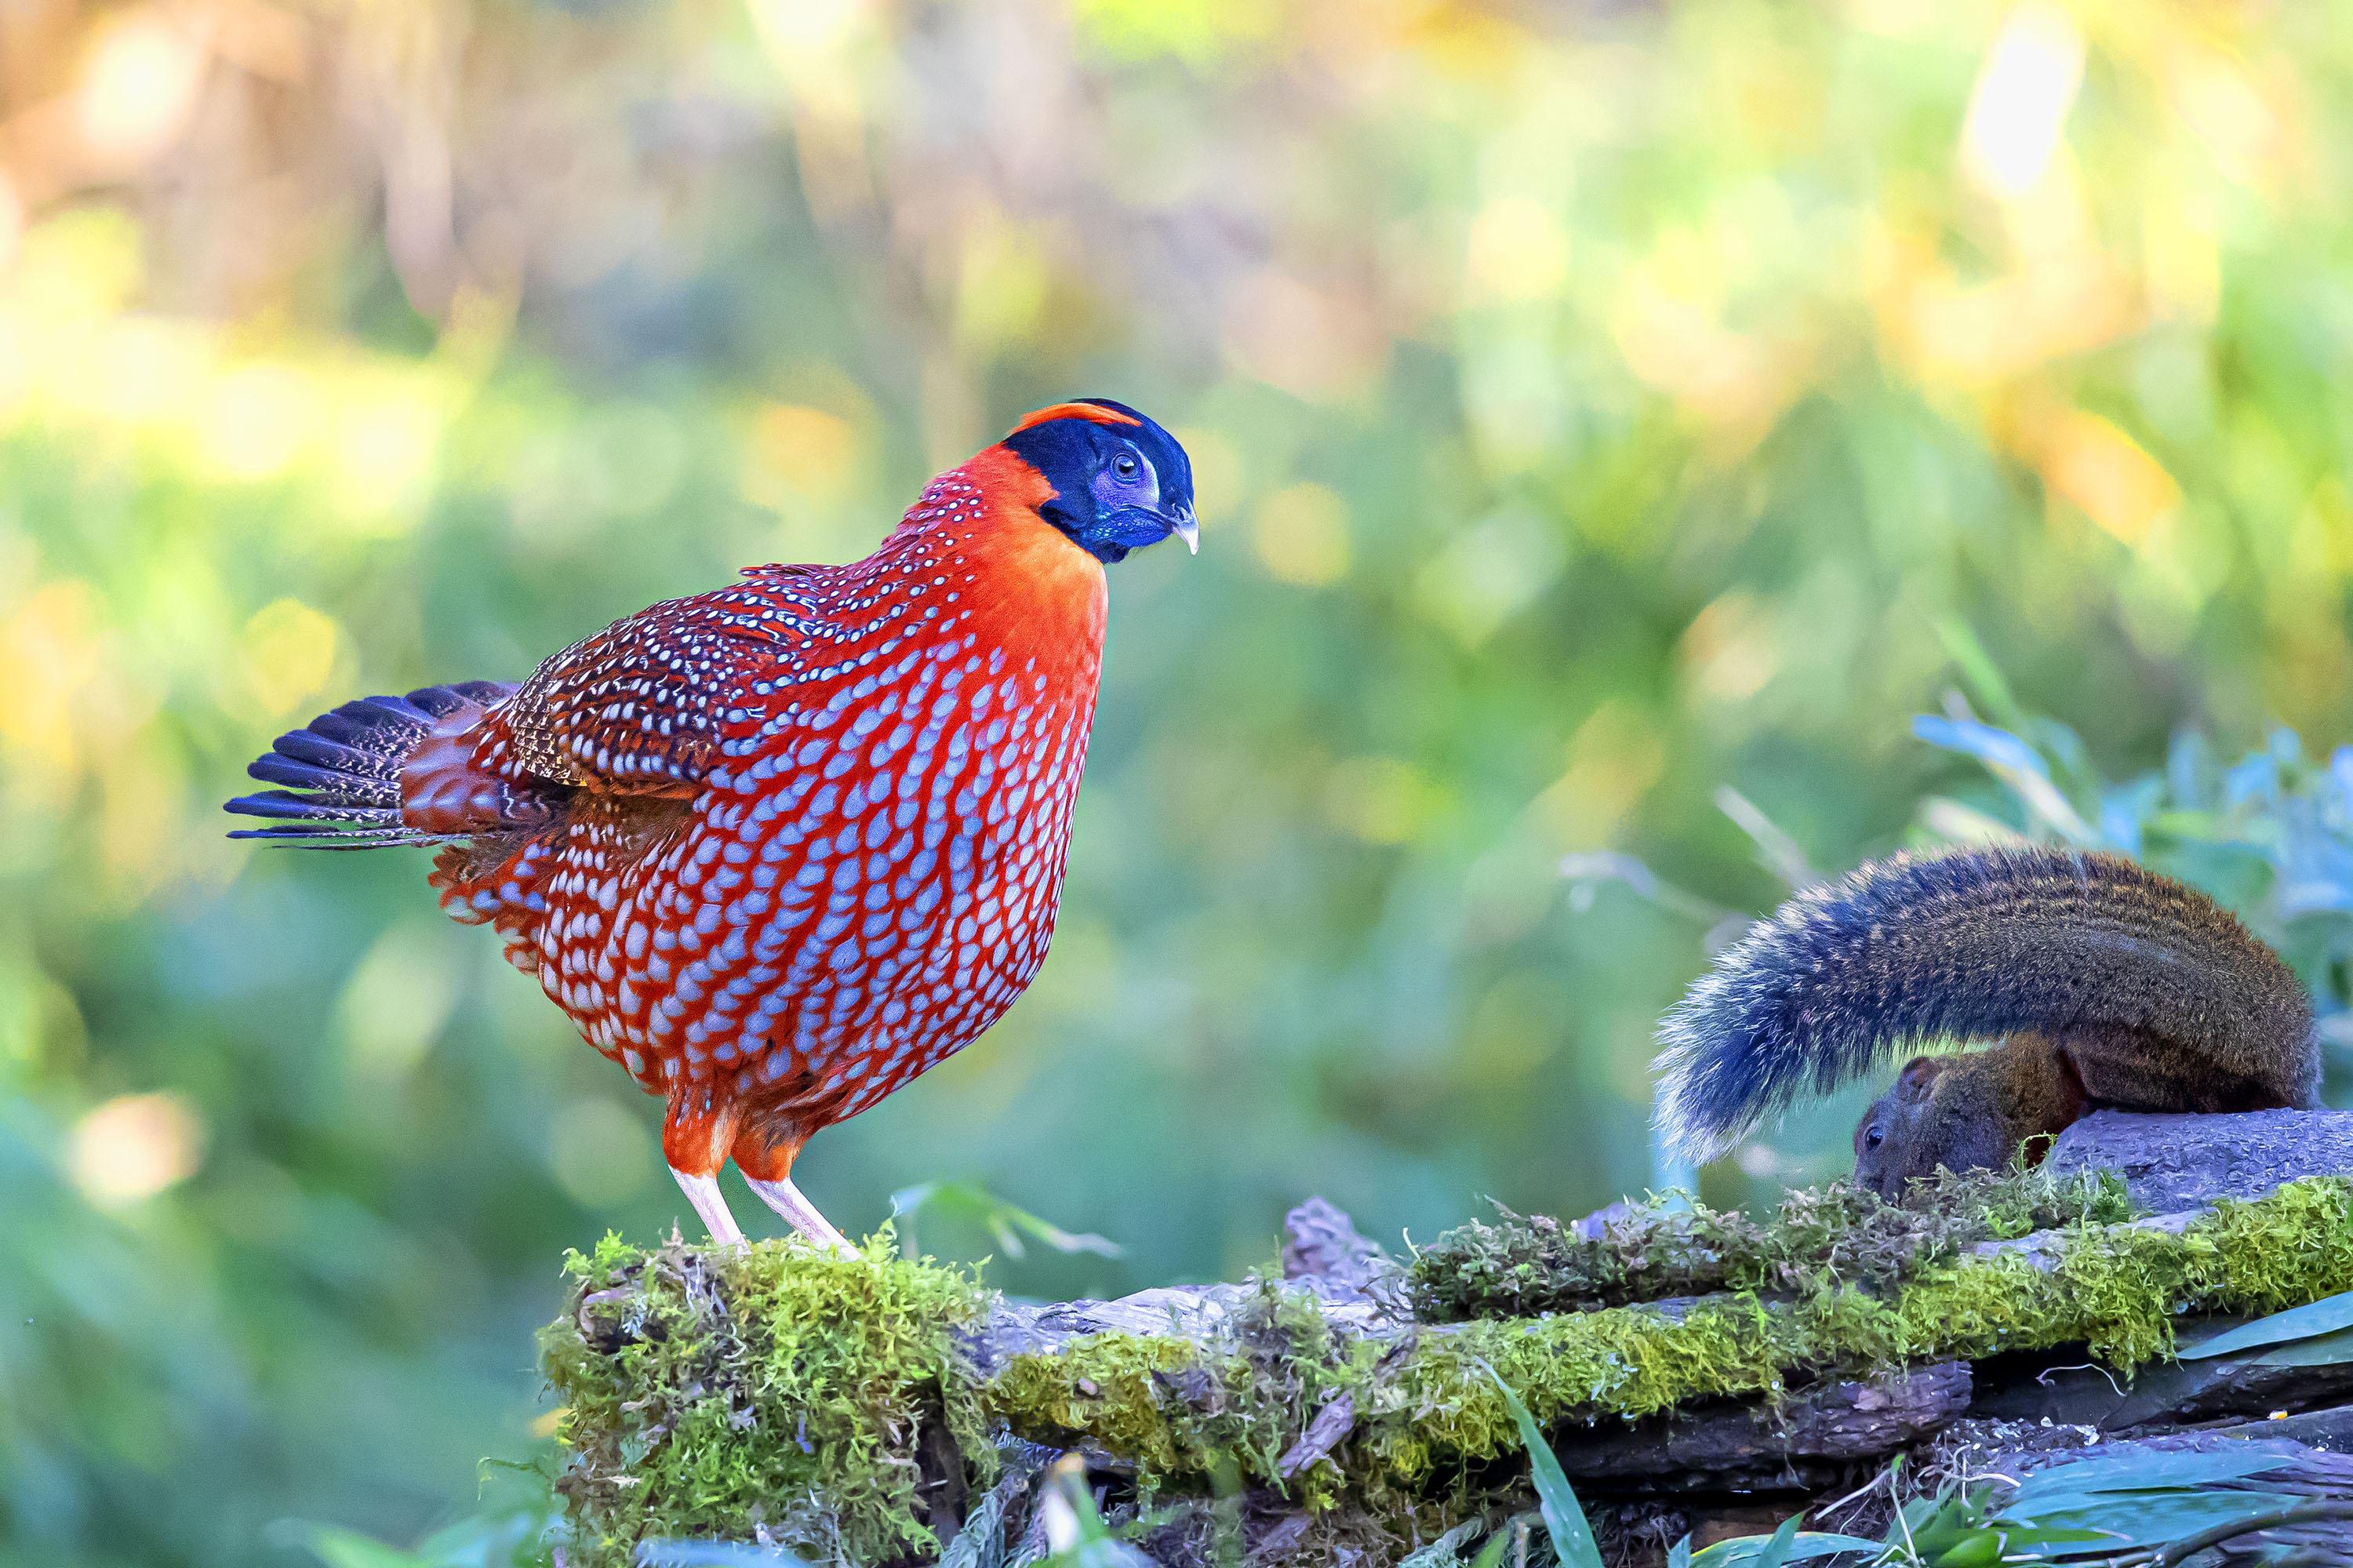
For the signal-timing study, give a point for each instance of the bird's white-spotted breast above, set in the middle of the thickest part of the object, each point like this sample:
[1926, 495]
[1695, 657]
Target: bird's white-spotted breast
[868, 873]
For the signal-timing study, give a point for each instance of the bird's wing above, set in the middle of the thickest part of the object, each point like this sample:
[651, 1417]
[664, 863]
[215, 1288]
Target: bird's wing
[639, 707]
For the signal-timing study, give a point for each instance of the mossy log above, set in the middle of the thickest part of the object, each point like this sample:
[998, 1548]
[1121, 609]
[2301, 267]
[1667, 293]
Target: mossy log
[1344, 1407]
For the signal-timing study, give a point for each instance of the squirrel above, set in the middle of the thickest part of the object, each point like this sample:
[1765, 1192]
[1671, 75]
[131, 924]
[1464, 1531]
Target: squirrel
[2108, 985]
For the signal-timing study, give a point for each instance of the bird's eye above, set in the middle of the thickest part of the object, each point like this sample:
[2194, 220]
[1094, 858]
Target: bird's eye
[1126, 466]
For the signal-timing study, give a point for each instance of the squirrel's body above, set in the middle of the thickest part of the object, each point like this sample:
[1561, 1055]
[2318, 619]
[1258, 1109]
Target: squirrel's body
[2105, 984]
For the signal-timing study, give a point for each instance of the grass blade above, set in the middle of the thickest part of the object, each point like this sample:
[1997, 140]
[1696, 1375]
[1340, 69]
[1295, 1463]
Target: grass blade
[1564, 1518]
[1803, 1546]
[1510, 1540]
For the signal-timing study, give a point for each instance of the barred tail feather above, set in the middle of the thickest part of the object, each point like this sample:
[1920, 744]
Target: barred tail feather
[1972, 945]
[339, 775]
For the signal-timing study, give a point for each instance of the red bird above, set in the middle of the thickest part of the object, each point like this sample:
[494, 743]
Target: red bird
[779, 847]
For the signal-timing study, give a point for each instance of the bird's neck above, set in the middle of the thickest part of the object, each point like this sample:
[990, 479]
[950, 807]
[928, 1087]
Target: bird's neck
[1031, 589]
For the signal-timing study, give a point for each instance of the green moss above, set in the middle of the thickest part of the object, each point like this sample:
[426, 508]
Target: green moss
[1427, 1409]
[1173, 1411]
[1523, 1266]
[718, 1393]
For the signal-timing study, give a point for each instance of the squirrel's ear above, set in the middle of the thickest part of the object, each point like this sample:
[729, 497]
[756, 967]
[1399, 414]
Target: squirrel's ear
[1918, 1076]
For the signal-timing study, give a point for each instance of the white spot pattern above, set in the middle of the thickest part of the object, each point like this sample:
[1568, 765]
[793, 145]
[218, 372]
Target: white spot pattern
[820, 820]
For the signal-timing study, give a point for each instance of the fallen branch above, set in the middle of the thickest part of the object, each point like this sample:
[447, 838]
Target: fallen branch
[1324, 1415]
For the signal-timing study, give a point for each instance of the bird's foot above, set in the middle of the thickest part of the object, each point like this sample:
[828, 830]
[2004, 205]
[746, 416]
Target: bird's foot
[703, 1192]
[802, 1215]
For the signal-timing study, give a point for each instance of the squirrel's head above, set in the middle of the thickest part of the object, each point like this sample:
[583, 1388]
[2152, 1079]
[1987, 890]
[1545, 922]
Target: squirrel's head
[1918, 1125]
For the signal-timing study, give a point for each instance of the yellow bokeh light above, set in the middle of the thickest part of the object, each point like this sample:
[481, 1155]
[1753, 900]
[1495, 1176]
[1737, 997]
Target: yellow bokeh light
[2181, 258]
[50, 653]
[799, 453]
[2018, 110]
[2225, 108]
[1516, 249]
[807, 34]
[385, 438]
[2108, 475]
[1199, 31]
[1300, 534]
[255, 421]
[141, 830]
[812, 43]
[135, 370]
[290, 650]
[133, 1147]
[1613, 759]
[1731, 650]
[1002, 291]
[138, 87]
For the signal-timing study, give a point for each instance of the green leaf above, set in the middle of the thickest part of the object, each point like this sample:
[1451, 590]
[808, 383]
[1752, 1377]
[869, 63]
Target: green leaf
[2325, 1316]
[1794, 1546]
[2320, 1350]
[2136, 1473]
[1776, 1552]
[1679, 1555]
[1929, 1526]
[2012, 1537]
[1563, 1519]
[1493, 1552]
[2125, 1520]
[2016, 764]
[2143, 1499]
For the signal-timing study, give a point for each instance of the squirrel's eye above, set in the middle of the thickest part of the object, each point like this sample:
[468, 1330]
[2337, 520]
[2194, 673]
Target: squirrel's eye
[1125, 465]
[1874, 1137]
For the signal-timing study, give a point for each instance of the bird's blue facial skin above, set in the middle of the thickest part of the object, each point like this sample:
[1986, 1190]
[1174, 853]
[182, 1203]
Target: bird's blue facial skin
[1117, 486]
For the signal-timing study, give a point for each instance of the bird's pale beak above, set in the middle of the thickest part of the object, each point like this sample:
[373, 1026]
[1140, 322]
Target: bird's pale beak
[1185, 528]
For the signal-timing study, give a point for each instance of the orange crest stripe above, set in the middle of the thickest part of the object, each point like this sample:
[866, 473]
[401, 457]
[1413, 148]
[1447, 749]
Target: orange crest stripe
[1095, 411]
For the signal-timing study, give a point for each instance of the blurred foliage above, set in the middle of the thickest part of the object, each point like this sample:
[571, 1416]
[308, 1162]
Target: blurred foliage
[1594, 407]
[974, 1205]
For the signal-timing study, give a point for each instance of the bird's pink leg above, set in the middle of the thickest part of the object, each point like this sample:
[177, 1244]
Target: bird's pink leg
[766, 1143]
[703, 1192]
[695, 1136]
[800, 1213]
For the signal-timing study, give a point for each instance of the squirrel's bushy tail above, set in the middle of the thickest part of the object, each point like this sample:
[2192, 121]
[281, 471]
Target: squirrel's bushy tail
[1973, 944]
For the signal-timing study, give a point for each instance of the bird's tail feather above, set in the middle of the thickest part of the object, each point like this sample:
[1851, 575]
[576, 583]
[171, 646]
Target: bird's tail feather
[339, 775]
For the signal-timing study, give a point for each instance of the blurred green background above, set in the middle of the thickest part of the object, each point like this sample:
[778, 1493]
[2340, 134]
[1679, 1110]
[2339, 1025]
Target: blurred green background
[1594, 406]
